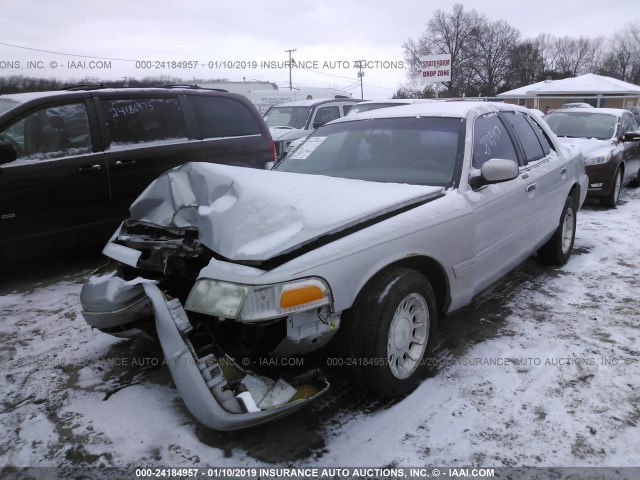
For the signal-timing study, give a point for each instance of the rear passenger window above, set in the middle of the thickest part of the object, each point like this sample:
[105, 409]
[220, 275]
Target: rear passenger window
[223, 117]
[491, 140]
[532, 148]
[547, 146]
[136, 120]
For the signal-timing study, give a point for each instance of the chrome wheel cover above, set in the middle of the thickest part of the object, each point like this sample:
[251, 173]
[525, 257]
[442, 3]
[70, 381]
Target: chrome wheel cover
[616, 187]
[408, 336]
[568, 229]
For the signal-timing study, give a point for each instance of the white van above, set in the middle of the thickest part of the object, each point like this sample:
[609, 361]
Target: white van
[289, 121]
[264, 99]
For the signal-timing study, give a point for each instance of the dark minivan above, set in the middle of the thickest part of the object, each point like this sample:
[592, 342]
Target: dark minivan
[72, 162]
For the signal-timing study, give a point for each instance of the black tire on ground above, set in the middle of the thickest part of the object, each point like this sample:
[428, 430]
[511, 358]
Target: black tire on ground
[611, 200]
[390, 332]
[635, 183]
[558, 249]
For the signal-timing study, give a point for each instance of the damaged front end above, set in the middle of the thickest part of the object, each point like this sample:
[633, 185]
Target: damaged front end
[144, 294]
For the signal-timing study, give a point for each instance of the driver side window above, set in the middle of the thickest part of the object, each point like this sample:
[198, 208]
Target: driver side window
[52, 132]
[491, 140]
[628, 124]
[325, 115]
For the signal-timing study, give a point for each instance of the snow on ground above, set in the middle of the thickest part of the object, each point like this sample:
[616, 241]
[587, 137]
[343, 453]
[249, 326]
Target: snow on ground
[542, 370]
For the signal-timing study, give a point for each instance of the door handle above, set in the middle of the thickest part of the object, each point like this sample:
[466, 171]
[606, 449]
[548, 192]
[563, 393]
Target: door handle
[124, 163]
[563, 171]
[90, 168]
[531, 187]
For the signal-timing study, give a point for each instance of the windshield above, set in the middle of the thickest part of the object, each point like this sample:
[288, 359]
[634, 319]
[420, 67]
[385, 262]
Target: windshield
[421, 151]
[293, 117]
[6, 105]
[582, 125]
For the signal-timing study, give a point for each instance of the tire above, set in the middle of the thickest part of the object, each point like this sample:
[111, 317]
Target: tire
[397, 306]
[635, 183]
[558, 249]
[611, 200]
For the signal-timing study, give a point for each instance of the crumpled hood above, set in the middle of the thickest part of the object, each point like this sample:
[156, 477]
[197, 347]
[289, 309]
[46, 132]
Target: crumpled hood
[280, 134]
[589, 146]
[249, 214]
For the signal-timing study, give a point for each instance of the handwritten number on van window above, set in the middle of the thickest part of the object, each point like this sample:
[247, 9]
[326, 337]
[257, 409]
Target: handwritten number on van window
[130, 109]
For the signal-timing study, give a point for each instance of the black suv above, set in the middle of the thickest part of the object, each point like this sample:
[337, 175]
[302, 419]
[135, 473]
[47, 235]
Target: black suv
[72, 162]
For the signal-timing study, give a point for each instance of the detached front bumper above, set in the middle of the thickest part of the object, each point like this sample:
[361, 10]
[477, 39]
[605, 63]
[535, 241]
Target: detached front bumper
[218, 392]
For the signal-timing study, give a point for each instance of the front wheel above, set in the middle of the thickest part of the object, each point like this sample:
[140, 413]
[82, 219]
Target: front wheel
[558, 249]
[611, 200]
[392, 328]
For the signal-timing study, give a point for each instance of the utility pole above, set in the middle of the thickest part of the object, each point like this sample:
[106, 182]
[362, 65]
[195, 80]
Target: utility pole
[290, 61]
[359, 64]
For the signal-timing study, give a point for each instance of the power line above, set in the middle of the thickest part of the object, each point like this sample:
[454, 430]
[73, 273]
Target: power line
[66, 54]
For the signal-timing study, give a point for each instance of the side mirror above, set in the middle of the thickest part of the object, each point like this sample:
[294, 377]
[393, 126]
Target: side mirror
[318, 124]
[269, 165]
[8, 153]
[495, 170]
[631, 136]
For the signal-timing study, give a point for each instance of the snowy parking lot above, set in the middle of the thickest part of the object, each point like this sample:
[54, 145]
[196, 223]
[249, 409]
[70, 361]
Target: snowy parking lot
[542, 370]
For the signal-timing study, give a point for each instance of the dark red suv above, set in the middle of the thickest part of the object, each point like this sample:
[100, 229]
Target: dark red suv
[71, 162]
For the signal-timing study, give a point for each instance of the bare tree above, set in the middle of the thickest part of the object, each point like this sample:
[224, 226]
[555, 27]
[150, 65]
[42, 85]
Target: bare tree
[526, 64]
[452, 33]
[544, 44]
[487, 56]
[574, 56]
[623, 59]
[491, 60]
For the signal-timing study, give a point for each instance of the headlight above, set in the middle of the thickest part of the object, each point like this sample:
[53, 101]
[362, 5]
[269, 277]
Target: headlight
[212, 297]
[255, 303]
[597, 160]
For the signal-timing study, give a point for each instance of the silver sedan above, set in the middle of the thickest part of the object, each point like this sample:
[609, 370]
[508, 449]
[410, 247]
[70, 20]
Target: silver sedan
[365, 236]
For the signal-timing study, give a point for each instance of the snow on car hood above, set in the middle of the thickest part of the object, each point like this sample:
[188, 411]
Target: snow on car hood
[589, 146]
[249, 214]
[278, 134]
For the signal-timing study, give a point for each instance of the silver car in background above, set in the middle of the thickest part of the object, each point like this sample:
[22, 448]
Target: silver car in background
[368, 234]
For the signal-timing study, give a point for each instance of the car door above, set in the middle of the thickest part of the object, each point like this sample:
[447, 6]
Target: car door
[145, 135]
[545, 172]
[58, 185]
[502, 212]
[631, 148]
[230, 133]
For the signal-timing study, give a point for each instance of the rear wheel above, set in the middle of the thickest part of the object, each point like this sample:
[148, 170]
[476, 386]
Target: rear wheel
[391, 331]
[558, 249]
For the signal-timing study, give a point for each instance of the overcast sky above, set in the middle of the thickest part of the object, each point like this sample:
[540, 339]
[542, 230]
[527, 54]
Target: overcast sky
[251, 32]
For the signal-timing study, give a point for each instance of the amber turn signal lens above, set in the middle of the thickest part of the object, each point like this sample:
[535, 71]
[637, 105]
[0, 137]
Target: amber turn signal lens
[300, 296]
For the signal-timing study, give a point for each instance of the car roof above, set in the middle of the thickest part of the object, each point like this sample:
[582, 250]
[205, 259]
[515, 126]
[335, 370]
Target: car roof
[28, 96]
[434, 109]
[582, 111]
[313, 102]
[399, 101]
